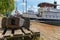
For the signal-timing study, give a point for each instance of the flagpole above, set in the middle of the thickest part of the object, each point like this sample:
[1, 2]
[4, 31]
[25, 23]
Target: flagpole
[26, 6]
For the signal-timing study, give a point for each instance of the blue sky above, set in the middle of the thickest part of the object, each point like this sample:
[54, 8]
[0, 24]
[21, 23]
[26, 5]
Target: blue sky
[34, 3]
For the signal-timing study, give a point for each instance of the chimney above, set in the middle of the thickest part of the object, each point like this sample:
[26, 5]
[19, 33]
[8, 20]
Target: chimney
[55, 4]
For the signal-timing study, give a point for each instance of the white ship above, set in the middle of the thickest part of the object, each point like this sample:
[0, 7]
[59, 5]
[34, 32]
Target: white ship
[48, 12]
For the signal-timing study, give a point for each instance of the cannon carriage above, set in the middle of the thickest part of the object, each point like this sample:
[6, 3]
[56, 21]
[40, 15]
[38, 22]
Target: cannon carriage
[21, 23]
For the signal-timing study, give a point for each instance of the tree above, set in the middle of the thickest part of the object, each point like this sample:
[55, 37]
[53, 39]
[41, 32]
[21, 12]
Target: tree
[6, 5]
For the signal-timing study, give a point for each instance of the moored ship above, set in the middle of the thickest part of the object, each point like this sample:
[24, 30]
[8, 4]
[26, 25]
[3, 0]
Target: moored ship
[48, 12]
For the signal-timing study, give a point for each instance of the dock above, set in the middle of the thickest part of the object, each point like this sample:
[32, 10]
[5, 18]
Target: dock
[47, 32]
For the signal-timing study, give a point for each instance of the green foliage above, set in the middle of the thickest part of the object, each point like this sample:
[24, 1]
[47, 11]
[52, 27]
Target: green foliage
[6, 5]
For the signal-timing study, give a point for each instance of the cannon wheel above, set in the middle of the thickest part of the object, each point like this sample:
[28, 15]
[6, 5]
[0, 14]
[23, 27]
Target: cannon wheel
[4, 22]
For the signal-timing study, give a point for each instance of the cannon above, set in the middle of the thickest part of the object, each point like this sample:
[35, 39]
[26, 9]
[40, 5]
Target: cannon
[20, 23]
[14, 23]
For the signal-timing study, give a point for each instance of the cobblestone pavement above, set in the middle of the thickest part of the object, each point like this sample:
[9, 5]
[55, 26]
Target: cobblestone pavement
[48, 32]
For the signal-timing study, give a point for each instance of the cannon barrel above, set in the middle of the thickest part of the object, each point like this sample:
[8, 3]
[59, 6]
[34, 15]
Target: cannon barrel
[15, 22]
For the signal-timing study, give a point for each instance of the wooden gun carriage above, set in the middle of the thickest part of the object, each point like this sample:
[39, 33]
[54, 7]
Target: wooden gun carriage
[18, 23]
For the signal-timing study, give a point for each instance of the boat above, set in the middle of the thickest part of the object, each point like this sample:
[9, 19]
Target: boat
[49, 13]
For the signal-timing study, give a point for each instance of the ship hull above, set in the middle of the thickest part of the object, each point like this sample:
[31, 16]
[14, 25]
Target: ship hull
[50, 21]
